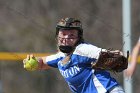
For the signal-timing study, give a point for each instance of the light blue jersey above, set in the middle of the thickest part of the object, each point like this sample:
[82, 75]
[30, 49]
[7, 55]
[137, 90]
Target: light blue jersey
[78, 73]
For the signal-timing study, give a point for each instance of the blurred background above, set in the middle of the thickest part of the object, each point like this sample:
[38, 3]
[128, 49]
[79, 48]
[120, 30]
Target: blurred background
[29, 26]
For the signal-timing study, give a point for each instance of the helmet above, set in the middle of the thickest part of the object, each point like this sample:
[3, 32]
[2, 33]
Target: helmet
[69, 23]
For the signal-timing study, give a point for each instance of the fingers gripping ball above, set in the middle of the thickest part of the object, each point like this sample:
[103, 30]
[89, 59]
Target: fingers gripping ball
[31, 64]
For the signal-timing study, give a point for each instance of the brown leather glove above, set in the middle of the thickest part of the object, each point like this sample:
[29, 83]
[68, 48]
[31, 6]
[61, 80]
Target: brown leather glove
[112, 61]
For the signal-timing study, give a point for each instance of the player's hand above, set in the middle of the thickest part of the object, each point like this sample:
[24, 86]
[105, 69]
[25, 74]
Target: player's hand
[26, 59]
[31, 63]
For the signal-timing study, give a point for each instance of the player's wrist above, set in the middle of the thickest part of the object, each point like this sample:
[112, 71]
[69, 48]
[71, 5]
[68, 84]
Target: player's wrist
[40, 63]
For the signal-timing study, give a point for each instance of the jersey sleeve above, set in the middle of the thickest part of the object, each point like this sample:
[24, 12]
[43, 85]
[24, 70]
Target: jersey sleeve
[88, 53]
[52, 60]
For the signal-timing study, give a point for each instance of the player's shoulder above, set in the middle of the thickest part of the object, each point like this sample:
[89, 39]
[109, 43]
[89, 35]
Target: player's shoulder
[59, 54]
[86, 46]
[55, 56]
[86, 49]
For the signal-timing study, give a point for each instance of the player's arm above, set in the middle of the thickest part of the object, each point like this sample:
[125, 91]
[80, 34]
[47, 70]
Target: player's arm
[36, 63]
[130, 70]
[42, 63]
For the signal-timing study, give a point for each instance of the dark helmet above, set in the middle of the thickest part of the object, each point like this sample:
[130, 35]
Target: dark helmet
[70, 23]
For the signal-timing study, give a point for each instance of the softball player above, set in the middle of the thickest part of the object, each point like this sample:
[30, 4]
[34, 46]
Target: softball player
[74, 59]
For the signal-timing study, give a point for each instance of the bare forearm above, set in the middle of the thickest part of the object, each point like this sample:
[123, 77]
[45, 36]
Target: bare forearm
[135, 54]
[130, 70]
[42, 64]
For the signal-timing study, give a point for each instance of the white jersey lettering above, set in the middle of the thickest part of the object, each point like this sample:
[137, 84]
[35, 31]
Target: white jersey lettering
[70, 71]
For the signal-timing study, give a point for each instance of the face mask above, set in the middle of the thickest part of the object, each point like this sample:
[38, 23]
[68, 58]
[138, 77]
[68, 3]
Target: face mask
[66, 49]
